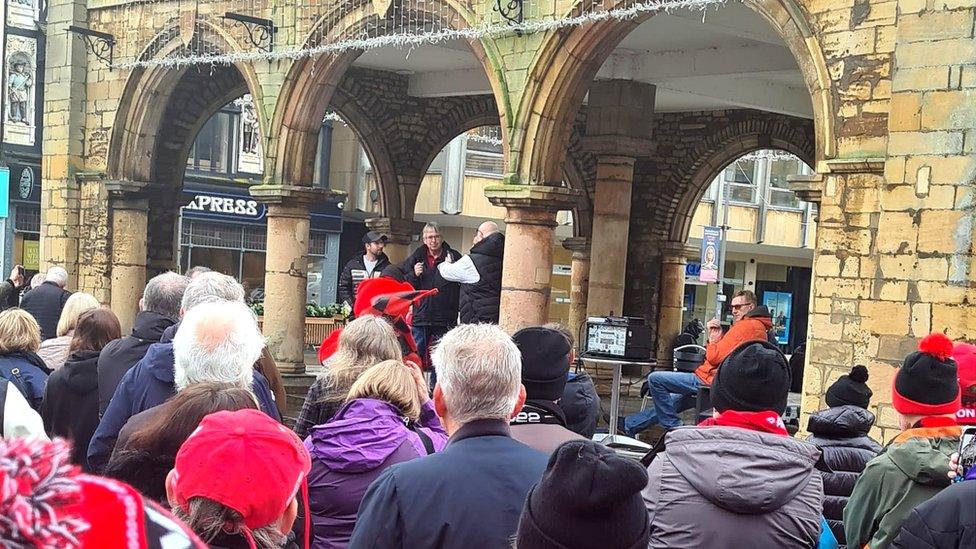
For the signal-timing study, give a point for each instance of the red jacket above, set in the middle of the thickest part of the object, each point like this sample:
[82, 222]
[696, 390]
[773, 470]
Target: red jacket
[752, 327]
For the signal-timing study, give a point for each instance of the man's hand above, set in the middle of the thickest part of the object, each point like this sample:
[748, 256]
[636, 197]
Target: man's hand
[714, 327]
[449, 258]
[418, 268]
[15, 277]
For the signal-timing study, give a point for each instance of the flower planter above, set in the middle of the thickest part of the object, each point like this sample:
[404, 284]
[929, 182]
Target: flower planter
[316, 328]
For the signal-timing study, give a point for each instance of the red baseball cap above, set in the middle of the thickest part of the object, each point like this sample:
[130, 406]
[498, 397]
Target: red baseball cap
[244, 460]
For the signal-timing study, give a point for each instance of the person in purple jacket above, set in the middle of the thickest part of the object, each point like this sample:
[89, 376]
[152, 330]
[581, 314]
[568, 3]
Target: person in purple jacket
[388, 418]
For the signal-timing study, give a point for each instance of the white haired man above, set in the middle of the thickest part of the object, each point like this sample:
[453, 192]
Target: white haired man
[150, 382]
[472, 491]
[46, 302]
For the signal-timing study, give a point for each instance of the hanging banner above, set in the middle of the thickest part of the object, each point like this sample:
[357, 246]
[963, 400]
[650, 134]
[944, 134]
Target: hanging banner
[711, 238]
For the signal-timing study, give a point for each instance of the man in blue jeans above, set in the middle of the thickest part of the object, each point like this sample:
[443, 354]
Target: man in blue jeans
[674, 392]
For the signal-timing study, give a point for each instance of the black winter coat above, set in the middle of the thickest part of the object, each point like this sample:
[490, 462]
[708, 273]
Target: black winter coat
[349, 281]
[70, 407]
[947, 521]
[45, 304]
[122, 354]
[842, 433]
[480, 301]
[441, 309]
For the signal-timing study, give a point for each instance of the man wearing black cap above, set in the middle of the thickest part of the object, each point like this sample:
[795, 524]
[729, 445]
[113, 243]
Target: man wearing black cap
[368, 265]
[545, 369]
[739, 479]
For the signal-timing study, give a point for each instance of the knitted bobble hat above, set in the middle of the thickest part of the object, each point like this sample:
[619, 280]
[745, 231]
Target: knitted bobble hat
[927, 383]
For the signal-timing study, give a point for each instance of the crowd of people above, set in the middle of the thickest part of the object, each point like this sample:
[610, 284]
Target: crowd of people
[176, 435]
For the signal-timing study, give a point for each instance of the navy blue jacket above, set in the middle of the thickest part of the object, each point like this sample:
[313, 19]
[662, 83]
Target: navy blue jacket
[468, 495]
[31, 376]
[146, 385]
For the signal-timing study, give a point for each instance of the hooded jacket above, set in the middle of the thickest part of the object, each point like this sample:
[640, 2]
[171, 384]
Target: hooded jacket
[842, 433]
[70, 407]
[122, 354]
[147, 384]
[947, 520]
[542, 425]
[479, 302]
[912, 469]
[441, 309]
[730, 487]
[752, 327]
[362, 440]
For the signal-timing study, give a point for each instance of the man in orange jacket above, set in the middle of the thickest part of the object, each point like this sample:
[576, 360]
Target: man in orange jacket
[749, 323]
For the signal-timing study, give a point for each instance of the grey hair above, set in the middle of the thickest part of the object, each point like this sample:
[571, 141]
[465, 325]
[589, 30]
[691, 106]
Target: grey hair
[208, 519]
[217, 341]
[209, 287]
[432, 225]
[479, 370]
[57, 275]
[164, 294]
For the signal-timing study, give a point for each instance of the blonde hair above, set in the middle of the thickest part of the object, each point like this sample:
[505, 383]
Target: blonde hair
[18, 331]
[365, 342]
[389, 381]
[78, 303]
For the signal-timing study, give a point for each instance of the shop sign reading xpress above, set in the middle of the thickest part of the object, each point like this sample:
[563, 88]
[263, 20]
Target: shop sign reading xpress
[226, 207]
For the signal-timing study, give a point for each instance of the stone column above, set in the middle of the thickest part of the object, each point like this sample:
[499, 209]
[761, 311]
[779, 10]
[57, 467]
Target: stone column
[286, 270]
[128, 211]
[579, 282]
[673, 262]
[399, 234]
[527, 273]
[618, 130]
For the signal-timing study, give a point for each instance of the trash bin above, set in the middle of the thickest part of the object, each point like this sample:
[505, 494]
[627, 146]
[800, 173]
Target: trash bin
[687, 358]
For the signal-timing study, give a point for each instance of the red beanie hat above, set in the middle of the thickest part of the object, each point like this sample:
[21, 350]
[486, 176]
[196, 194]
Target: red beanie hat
[926, 384]
[244, 460]
[46, 502]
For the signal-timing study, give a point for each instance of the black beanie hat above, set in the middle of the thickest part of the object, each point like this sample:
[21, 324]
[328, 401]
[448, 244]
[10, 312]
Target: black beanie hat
[754, 378]
[587, 497]
[850, 389]
[927, 384]
[545, 362]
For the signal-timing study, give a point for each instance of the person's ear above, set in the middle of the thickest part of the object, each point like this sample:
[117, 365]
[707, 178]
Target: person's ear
[171, 488]
[142, 304]
[439, 405]
[520, 402]
[287, 520]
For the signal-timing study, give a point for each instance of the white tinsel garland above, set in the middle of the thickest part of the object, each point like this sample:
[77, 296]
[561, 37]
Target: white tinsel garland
[409, 39]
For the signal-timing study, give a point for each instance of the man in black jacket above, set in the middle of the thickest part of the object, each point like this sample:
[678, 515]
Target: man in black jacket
[359, 268]
[434, 316]
[46, 302]
[159, 309]
[480, 275]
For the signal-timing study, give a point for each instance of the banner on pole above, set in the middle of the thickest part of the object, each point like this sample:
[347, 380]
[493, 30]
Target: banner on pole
[711, 238]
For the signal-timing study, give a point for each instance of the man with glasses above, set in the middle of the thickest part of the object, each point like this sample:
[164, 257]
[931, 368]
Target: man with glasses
[670, 389]
[436, 315]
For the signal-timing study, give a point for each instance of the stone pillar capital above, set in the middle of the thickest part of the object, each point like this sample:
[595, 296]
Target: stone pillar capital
[397, 231]
[290, 196]
[618, 146]
[580, 246]
[127, 195]
[808, 188]
[532, 204]
[676, 252]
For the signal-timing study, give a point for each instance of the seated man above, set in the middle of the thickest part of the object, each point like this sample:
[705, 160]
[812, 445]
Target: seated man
[546, 354]
[670, 389]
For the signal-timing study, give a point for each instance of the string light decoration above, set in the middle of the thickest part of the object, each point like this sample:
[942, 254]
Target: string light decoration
[329, 27]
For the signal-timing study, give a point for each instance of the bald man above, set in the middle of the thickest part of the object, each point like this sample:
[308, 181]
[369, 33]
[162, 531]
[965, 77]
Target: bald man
[480, 275]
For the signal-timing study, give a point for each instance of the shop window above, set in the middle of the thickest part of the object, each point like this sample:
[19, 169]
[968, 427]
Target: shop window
[740, 176]
[255, 238]
[210, 150]
[27, 219]
[211, 235]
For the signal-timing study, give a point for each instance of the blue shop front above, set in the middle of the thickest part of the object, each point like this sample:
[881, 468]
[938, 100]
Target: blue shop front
[225, 229]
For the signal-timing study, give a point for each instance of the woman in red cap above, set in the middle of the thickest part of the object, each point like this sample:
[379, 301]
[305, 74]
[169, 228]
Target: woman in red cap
[237, 478]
